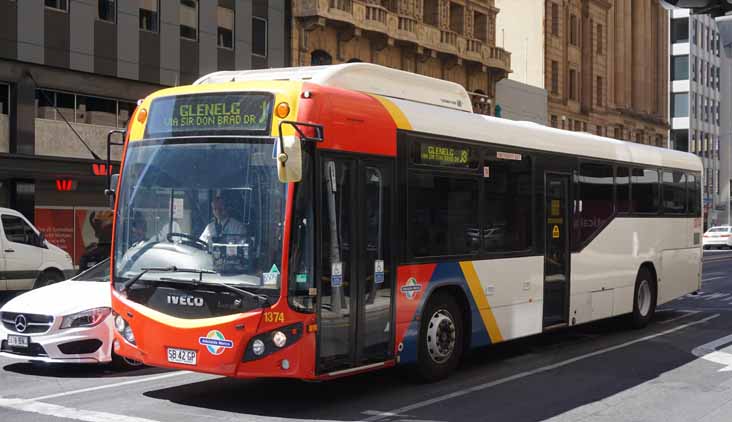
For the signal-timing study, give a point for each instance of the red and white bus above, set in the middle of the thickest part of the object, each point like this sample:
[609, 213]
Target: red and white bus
[317, 222]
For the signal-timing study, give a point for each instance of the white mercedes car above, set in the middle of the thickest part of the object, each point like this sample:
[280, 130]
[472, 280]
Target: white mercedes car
[70, 321]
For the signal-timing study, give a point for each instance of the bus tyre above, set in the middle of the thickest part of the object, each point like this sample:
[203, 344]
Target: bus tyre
[644, 298]
[440, 338]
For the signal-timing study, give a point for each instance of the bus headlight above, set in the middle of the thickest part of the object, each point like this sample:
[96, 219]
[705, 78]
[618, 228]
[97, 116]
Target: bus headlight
[272, 341]
[279, 339]
[258, 347]
[122, 327]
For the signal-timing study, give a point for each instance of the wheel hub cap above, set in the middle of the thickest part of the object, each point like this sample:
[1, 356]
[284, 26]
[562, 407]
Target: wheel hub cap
[441, 336]
[644, 298]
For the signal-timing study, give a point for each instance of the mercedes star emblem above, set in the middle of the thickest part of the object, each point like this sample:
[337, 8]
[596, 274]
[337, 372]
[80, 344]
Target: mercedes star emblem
[21, 323]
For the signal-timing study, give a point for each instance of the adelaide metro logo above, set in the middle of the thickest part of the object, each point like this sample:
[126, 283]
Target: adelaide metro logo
[215, 342]
[411, 288]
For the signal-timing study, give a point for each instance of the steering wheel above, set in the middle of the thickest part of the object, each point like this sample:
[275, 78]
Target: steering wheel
[189, 240]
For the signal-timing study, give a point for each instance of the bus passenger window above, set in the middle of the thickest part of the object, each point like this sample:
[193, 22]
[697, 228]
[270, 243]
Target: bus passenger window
[596, 194]
[507, 203]
[674, 192]
[694, 194]
[622, 190]
[645, 191]
[443, 215]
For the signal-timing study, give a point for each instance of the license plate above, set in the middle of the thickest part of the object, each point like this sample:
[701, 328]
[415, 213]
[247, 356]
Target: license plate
[186, 357]
[18, 341]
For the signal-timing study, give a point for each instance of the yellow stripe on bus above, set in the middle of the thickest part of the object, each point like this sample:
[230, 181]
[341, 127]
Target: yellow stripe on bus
[396, 113]
[484, 308]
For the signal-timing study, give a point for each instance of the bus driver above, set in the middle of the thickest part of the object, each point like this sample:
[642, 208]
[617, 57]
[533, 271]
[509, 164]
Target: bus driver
[223, 224]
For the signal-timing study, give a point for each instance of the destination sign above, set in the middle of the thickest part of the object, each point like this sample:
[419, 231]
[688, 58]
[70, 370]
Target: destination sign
[209, 114]
[440, 155]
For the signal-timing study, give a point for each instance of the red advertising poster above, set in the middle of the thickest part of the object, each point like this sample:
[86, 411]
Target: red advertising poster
[58, 227]
[93, 235]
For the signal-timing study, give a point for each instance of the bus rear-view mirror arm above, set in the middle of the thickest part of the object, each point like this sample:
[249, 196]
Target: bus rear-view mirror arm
[112, 180]
[289, 149]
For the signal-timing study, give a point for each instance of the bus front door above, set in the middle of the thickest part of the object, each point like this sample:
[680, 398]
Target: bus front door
[556, 250]
[355, 291]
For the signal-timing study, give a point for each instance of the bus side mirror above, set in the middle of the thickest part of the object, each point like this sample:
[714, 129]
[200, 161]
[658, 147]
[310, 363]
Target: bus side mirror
[288, 149]
[289, 159]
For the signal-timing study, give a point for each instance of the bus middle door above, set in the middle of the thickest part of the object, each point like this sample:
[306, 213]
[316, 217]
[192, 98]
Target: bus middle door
[356, 268]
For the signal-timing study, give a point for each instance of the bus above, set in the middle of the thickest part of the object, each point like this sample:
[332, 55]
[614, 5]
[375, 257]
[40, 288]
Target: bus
[319, 222]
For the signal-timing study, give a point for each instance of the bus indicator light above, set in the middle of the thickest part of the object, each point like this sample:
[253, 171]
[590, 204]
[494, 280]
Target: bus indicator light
[142, 115]
[283, 109]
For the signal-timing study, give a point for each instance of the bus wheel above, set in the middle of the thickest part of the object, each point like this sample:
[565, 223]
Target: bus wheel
[644, 298]
[440, 338]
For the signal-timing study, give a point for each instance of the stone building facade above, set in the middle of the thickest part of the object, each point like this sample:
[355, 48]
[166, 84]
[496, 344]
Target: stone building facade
[604, 63]
[453, 40]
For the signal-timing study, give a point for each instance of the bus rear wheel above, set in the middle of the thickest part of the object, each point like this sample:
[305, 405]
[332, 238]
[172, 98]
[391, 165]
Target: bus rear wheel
[440, 338]
[645, 296]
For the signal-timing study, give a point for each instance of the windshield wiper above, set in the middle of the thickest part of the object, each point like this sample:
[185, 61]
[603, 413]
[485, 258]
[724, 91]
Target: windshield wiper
[170, 269]
[264, 299]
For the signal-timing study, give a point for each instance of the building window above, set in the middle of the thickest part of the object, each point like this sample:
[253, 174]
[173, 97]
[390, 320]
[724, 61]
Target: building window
[75, 108]
[259, 36]
[124, 112]
[320, 58]
[618, 133]
[62, 5]
[693, 69]
[107, 10]
[4, 99]
[431, 12]
[554, 120]
[555, 19]
[694, 105]
[679, 30]
[680, 68]
[573, 84]
[188, 14]
[694, 32]
[96, 111]
[577, 126]
[680, 140]
[225, 18]
[573, 39]
[480, 26]
[599, 91]
[457, 18]
[149, 15]
[680, 104]
[599, 39]
[555, 77]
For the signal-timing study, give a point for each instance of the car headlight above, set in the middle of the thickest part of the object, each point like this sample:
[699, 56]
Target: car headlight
[88, 318]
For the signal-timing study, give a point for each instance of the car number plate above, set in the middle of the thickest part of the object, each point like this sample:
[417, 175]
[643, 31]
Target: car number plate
[186, 357]
[18, 341]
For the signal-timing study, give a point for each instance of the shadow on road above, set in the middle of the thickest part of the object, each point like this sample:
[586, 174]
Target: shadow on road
[72, 370]
[532, 398]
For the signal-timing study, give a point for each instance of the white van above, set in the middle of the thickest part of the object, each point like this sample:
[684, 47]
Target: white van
[27, 260]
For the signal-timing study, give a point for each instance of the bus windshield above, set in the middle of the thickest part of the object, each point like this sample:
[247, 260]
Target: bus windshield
[213, 205]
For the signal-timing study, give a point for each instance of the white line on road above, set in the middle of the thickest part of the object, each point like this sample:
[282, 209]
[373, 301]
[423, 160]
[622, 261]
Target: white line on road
[459, 393]
[686, 314]
[115, 385]
[66, 412]
[709, 352]
[711, 278]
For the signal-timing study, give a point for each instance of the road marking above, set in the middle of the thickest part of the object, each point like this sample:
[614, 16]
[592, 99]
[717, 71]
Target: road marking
[712, 278]
[106, 386]
[67, 412]
[712, 296]
[459, 393]
[709, 352]
[686, 314]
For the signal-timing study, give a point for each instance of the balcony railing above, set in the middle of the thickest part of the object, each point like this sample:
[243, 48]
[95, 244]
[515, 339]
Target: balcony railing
[403, 27]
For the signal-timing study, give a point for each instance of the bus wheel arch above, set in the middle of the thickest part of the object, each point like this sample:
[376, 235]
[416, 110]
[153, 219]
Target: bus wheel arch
[446, 306]
[645, 295]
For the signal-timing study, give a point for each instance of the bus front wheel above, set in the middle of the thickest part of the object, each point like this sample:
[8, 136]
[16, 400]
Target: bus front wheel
[644, 298]
[440, 338]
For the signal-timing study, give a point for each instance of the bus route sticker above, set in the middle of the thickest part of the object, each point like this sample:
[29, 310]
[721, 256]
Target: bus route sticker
[270, 278]
[379, 271]
[336, 274]
[411, 288]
